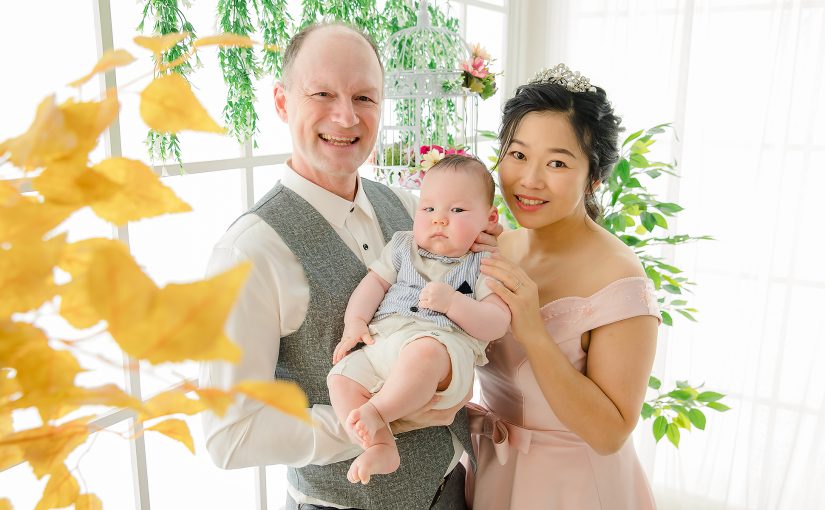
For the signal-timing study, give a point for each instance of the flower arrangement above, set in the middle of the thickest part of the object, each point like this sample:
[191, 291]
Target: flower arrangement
[477, 76]
[430, 155]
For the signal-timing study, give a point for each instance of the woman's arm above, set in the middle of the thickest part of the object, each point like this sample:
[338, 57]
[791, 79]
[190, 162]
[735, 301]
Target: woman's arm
[603, 406]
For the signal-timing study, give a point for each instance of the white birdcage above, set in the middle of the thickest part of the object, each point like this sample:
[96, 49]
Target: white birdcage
[424, 101]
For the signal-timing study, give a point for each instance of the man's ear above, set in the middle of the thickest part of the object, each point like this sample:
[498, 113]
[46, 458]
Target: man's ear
[280, 101]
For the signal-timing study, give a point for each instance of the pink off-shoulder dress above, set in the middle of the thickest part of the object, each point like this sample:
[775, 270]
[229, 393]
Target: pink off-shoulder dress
[527, 458]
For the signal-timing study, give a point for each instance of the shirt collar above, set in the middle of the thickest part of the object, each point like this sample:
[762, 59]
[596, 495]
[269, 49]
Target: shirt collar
[332, 208]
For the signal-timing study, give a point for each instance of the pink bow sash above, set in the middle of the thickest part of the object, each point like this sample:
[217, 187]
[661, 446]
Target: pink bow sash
[503, 434]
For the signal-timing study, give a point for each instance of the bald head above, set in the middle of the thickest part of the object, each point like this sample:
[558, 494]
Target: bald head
[328, 31]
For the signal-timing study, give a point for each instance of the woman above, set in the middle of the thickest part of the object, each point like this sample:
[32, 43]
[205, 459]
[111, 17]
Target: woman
[564, 388]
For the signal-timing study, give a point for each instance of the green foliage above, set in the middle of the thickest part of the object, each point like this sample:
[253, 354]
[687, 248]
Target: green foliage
[680, 408]
[166, 17]
[239, 66]
[361, 13]
[274, 22]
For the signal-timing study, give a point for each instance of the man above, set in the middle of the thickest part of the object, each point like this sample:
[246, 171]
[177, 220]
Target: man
[310, 240]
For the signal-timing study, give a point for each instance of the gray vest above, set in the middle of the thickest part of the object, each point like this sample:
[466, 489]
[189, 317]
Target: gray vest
[402, 296]
[305, 357]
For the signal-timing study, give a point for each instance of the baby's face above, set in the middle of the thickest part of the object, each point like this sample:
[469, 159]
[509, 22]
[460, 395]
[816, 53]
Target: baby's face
[451, 213]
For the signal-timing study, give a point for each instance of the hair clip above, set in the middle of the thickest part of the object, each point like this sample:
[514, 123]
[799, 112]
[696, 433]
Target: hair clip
[562, 75]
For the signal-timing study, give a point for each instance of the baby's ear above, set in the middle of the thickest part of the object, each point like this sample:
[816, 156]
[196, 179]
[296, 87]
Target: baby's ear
[492, 218]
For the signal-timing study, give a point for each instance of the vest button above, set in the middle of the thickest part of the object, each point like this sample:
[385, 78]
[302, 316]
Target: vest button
[365, 246]
[413, 308]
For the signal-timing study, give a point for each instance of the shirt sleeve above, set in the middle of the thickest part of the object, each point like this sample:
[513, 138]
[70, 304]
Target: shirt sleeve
[482, 289]
[383, 265]
[250, 433]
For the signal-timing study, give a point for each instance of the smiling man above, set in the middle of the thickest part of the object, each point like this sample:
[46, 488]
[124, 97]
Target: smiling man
[310, 240]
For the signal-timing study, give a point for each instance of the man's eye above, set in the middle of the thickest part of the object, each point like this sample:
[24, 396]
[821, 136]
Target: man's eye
[457, 209]
[322, 94]
[557, 164]
[365, 98]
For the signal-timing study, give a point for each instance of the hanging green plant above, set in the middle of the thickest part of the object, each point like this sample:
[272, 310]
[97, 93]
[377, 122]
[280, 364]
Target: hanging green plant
[239, 66]
[274, 22]
[166, 17]
[360, 13]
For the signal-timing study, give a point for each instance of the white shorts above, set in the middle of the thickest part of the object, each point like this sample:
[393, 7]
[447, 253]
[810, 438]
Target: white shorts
[371, 365]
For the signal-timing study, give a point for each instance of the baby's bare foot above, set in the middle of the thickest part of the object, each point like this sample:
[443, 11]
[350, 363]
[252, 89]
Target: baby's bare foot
[365, 421]
[379, 459]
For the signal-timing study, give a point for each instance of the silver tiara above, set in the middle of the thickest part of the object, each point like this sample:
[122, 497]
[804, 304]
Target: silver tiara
[562, 75]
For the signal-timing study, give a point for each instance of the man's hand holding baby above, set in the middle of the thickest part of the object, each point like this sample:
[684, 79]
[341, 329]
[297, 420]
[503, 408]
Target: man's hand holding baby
[436, 296]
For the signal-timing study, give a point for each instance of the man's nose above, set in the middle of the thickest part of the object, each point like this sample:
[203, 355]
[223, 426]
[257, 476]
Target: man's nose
[344, 114]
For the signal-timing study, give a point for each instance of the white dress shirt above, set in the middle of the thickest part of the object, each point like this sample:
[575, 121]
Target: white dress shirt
[272, 304]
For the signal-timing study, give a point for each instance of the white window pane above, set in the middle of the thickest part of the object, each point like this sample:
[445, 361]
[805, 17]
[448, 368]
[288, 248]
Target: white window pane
[265, 177]
[276, 484]
[104, 468]
[178, 479]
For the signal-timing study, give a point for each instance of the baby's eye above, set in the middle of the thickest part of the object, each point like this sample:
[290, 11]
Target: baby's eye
[428, 209]
[557, 164]
[457, 210]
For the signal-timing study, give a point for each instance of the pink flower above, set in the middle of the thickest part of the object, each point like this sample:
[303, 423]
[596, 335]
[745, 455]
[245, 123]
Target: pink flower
[460, 152]
[479, 51]
[427, 148]
[476, 67]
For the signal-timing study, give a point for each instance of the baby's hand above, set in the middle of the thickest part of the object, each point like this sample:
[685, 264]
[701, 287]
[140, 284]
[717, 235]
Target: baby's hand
[354, 332]
[436, 296]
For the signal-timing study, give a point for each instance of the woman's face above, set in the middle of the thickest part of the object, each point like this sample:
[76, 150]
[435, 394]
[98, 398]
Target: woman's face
[543, 175]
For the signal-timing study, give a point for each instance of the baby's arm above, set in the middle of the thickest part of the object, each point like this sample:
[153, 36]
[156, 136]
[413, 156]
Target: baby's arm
[361, 307]
[485, 320]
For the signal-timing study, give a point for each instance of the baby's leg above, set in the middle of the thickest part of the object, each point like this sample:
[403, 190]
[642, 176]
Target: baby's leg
[345, 395]
[423, 367]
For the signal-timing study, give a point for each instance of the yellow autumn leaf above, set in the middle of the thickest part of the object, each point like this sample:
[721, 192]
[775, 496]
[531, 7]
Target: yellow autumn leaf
[46, 447]
[216, 400]
[109, 60]
[232, 40]
[87, 120]
[168, 105]
[88, 502]
[75, 304]
[55, 404]
[285, 396]
[171, 402]
[274, 48]
[176, 429]
[26, 274]
[25, 218]
[12, 454]
[185, 321]
[5, 504]
[48, 138]
[140, 193]
[175, 63]
[118, 289]
[160, 43]
[71, 182]
[61, 491]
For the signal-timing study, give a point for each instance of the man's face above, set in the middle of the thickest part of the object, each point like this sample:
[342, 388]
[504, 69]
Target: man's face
[451, 213]
[332, 103]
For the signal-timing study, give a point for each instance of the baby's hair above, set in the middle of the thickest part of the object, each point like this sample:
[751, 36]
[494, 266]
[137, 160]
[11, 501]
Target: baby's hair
[469, 164]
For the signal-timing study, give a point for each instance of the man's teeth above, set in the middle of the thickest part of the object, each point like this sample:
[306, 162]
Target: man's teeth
[338, 141]
[527, 201]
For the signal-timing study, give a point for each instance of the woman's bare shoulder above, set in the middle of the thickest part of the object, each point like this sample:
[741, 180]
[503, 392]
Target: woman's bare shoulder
[616, 259]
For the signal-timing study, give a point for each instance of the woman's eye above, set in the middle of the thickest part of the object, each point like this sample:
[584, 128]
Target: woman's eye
[557, 164]
[517, 155]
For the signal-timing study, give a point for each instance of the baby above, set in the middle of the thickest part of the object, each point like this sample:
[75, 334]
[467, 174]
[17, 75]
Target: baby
[425, 313]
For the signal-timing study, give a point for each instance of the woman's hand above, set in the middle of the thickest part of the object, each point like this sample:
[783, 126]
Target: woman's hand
[488, 239]
[519, 292]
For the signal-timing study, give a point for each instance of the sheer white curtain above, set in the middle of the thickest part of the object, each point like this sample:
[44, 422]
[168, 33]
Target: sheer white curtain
[744, 83]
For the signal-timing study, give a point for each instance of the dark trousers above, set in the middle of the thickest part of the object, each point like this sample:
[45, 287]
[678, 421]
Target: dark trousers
[449, 497]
